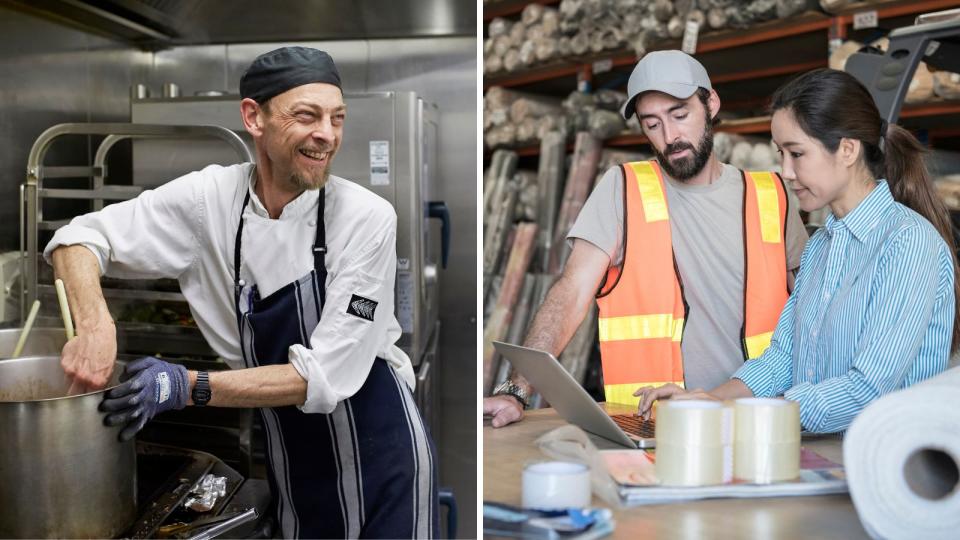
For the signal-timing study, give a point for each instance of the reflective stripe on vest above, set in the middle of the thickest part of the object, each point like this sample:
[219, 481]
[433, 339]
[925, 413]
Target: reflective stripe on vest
[643, 314]
[765, 272]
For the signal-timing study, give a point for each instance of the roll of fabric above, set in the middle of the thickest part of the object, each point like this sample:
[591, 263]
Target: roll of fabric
[528, 53]
[532, 14]
[499, 27]
[662, 10]
[675, 27]
[838, 58]
[902, 457]
[511, 60]
[921, 86]
[946, 84]
[717, 18]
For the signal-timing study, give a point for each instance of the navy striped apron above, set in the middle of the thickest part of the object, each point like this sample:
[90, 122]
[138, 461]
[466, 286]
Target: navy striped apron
[366, 470]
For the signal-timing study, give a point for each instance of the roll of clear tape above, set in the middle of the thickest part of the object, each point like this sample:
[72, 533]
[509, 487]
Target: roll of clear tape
[691, 437]
[902, 459]
[551, 485]
[766, 445]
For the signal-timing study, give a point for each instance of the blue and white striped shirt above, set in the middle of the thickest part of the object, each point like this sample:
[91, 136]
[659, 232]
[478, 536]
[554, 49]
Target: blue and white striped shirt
[872, 312]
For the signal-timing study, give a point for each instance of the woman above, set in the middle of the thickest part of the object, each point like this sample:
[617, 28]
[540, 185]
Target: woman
[874, 308]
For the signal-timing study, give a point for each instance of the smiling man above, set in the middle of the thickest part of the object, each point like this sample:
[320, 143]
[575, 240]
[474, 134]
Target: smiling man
[689, 259]
[289, 272]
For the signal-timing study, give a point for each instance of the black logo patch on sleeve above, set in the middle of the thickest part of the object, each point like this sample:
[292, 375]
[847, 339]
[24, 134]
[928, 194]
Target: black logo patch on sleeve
[361, 307]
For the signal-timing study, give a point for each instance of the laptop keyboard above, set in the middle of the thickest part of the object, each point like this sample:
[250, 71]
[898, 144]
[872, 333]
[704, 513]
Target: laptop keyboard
[634, 425]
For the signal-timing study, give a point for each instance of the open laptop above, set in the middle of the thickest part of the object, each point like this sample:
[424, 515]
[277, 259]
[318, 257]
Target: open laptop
[617, 423]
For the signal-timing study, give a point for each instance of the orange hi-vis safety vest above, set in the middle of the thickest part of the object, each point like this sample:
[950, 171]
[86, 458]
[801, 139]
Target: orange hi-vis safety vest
[642, 306]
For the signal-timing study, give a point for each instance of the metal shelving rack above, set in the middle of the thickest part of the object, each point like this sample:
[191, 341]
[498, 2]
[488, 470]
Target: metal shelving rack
[33, 192]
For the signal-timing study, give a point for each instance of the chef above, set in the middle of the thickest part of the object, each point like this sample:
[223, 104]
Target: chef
[289, 273]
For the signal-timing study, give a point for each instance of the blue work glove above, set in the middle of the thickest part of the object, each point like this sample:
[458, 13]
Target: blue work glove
[151, 386]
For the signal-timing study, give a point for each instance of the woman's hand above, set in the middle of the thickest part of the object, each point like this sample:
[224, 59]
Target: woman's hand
[649, 394]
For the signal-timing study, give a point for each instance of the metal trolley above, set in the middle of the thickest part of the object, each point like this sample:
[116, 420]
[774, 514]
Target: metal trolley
[226, 433]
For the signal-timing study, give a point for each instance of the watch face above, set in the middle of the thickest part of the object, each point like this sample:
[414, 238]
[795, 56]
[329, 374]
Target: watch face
[201, 396]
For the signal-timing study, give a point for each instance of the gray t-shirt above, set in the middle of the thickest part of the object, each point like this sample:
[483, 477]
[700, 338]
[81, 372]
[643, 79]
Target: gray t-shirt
[706, 224]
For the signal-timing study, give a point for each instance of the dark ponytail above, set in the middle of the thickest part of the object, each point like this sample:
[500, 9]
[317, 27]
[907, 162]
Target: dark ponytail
[830, 105]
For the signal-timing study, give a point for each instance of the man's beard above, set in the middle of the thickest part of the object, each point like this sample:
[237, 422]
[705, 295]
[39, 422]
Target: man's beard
[313, 180]
[685, 168]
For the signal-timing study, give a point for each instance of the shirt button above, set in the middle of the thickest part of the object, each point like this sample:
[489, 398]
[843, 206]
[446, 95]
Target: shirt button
[826, 295]
[810, 373]
[312, 223]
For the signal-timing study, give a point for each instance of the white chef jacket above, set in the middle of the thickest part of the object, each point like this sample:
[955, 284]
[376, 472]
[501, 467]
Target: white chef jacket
[186, 229]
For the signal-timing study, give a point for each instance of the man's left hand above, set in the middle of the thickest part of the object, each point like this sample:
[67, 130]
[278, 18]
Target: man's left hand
[152, 386]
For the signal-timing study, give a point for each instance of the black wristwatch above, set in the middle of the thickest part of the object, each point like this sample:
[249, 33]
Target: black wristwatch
[201, 390]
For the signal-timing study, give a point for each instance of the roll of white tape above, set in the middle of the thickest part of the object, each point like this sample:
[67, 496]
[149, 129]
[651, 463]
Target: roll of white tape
[766, 446]
[902, 458]
[691, 436]
[556, 484]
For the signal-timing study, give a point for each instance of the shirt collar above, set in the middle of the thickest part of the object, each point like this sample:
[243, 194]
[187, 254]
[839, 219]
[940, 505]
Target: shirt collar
[866, 215]
[293, 209]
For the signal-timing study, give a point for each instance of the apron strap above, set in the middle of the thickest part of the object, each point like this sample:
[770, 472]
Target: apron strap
[319, 250]
[237, 287]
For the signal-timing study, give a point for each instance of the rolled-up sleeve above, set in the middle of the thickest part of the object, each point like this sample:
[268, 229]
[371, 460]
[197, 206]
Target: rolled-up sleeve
[355, 320]
[155, 235]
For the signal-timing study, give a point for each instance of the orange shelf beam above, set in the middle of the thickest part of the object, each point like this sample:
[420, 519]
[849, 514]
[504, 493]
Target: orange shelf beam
[510, 7]
[930, 109]
[727, 39]
[768, 72]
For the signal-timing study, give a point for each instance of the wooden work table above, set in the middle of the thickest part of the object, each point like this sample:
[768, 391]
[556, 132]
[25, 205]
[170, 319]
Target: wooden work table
[507, 449]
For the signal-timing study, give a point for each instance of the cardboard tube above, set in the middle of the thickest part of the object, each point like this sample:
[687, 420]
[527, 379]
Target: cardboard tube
[64, 309]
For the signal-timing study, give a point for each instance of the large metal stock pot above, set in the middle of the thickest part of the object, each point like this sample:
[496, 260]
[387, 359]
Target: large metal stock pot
[63, 474]
[40, 342]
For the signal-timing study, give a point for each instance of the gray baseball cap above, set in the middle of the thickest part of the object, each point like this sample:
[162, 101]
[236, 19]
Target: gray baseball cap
[672, 72]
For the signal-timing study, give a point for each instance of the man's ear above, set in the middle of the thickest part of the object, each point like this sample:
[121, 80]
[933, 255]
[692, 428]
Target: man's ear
[250, 113]
[713, 104]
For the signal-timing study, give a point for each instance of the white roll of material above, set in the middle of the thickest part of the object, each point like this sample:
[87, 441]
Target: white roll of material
[766, 441]
[902, 457]
[553, 485]
[693, 443]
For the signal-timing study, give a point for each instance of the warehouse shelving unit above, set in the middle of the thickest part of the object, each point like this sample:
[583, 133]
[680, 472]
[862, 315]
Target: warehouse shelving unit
[802, 40]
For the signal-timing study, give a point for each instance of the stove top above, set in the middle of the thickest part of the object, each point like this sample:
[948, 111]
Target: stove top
[165, 477]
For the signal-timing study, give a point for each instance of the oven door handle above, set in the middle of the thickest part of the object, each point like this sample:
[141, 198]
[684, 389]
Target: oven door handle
[438, 210]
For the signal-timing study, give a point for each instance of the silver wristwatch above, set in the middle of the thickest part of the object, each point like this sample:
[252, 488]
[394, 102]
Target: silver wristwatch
[510, 388]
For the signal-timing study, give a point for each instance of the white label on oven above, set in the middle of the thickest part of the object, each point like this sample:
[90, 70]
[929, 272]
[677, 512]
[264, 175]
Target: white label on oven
[380, 163]
[405, 298]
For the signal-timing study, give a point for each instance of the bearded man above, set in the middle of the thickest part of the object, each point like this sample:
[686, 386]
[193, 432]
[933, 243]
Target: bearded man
[289, 273]
[690, 260]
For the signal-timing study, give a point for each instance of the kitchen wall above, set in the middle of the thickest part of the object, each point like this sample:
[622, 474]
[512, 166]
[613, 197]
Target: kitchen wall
[50, 74]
